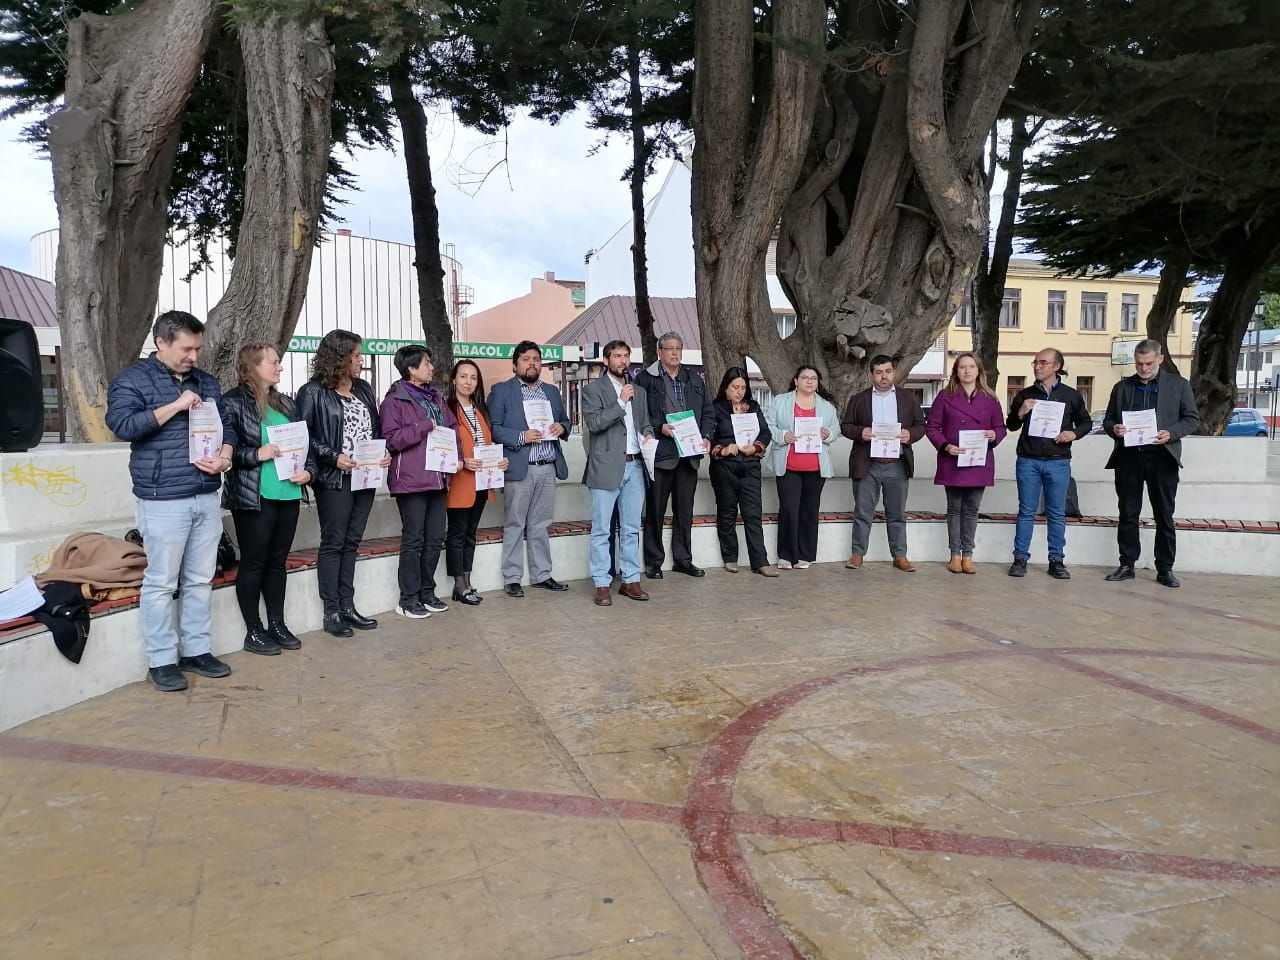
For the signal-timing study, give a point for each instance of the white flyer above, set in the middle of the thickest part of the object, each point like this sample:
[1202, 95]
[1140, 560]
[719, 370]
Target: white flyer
[973, 449]
[20, 599]
[442, 450]
[808, 432]
[204, 431]
[291, 441]
[489, 476]
[886, 441]
[649, 454]
[688, 438]
[1139, 427]
[1045, 419]
[746, 428]
[368, 474]
[537, 414]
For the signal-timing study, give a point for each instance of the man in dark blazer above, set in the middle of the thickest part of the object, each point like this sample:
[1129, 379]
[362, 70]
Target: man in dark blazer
[882, 402]
[1154, 465]
[535, 464]
[671, 387]
[615, 418]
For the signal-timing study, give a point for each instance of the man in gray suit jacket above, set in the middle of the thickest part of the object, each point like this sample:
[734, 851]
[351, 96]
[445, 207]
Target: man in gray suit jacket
[616, 421]
[1154, 464]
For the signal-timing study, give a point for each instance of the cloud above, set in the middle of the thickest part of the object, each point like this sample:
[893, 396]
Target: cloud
[551, 194]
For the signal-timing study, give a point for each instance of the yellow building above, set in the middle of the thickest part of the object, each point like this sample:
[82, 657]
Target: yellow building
[1094, 322]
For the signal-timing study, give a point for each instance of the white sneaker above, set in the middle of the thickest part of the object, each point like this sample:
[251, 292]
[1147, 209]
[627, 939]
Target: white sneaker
[783, 564]
[802, 564]
[414, 611]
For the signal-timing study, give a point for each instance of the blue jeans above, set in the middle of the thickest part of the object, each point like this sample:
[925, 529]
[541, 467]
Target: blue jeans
[181, 539]
[1051, 477]
[629, 499]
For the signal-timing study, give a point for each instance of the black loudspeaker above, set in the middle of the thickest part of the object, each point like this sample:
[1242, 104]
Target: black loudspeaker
[21, 398]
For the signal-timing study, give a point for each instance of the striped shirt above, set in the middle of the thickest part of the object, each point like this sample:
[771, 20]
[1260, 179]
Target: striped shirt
[475, 423]
[544, 449]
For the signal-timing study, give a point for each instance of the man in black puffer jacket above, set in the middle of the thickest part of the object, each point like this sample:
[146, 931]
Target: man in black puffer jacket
[176, 505]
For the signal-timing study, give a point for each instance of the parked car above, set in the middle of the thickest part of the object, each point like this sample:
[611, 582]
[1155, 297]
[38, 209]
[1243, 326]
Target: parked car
[1247, 422]
[1097, 416]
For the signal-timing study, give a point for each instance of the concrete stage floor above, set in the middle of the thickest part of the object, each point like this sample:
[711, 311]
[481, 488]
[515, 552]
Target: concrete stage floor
[830, 765]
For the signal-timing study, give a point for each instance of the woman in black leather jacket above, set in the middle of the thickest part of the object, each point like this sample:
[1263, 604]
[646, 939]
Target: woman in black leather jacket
[339, 409]
[263, 507]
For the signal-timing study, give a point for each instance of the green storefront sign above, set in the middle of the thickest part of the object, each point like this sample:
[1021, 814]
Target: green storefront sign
[474, 349]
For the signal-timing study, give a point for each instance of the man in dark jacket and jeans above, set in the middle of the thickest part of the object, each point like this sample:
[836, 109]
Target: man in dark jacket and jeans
[176, 505]
[1153, 464]
[1044, 463]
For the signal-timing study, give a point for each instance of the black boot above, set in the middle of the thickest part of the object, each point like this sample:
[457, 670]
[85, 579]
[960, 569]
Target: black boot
[335, 625]
[283, 636]
[258, 640]
[356, 619]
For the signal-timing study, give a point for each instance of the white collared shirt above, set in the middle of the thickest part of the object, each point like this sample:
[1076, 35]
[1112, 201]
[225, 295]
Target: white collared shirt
[884, 406]
[633, 442]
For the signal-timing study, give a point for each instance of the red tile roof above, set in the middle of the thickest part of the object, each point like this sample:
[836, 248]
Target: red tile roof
[614, 318]
[24, 297]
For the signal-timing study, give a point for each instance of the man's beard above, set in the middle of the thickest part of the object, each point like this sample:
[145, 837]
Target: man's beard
[531, 376]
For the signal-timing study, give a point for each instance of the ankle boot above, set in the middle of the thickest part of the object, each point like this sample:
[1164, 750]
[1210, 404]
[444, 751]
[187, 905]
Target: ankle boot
[335, 625]
[355, 618]
[283, 636]
[259, 641]
[955, 566]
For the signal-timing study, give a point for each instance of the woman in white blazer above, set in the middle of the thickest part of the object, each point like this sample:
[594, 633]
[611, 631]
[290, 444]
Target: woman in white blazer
[801, 473]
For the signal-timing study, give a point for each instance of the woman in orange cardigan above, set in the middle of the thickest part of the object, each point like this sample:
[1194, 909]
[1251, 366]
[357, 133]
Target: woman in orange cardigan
[465, 503]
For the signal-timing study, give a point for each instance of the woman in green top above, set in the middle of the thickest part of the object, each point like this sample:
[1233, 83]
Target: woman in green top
[263, 506]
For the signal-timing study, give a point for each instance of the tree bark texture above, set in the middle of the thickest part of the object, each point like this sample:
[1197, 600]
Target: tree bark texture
[113, 146]
[993, 261]
[1213, 363]
[871, 174]
[1168, 298]
[639, 167]
[289, 83]
[432, 306]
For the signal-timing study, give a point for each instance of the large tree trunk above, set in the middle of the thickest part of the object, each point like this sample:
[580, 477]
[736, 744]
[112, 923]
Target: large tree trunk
[639, 167]
[883, 215]
[1217, 352]
[289, 82]
[993, 265]
[1168, 299]
[113, 147]
[426, 219]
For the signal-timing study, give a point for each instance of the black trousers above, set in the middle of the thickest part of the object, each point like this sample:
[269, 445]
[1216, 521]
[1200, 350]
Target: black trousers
[737, 487]
[343, 516]
[799, 501]
[1155, 469]
[265, 537]
[460, 537]
[422, 525]
[677, 485]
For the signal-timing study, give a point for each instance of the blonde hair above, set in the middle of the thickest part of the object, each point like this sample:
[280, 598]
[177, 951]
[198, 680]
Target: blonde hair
[264, 395]
[953, 382]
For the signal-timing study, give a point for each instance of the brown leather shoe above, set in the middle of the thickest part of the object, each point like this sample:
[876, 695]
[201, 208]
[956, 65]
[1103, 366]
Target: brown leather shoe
[956, 565]
[633, 590]
[903, 564]
[966, 565]
[602, 597]
[768, 570]
[731, 567]
[853, 563]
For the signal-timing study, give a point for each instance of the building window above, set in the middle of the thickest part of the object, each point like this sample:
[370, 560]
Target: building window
[964, 316]
[1093, 311]
[1012, 386]
[1128, 312]
[1084, 387]
[786, 324]
[1057, 310]
[1240, 362]
[1011, 308]
[1267, 358]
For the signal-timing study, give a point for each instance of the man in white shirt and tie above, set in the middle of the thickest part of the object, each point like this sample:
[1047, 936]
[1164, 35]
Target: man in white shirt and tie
[616, 420]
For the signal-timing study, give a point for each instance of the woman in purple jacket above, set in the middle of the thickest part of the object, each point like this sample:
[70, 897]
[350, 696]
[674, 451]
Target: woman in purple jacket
[411, 409]
[965, 403]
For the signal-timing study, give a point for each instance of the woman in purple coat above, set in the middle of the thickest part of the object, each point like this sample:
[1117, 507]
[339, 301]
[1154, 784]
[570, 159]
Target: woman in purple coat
[965, 403]
[411, 409]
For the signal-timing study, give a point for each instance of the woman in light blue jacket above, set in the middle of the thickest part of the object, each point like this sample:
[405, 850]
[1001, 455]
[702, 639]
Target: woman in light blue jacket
[801, 473]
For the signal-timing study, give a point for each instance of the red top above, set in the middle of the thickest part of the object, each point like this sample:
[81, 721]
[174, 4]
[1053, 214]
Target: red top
[802, 462]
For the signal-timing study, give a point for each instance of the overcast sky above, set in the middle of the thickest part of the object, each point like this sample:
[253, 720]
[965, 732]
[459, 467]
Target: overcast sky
[543, 209]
